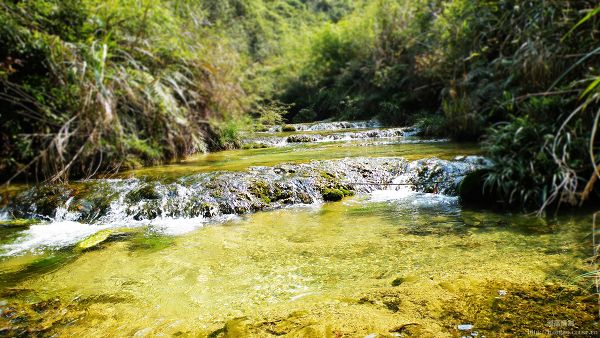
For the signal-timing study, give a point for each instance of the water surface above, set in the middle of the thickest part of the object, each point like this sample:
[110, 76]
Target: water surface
[393, 262]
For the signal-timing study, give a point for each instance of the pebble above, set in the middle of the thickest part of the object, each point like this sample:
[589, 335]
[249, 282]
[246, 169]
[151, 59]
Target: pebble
[465, 327]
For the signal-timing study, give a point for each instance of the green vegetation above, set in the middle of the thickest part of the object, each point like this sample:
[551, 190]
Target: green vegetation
[88, 86]
[92, 86]
[458, 68]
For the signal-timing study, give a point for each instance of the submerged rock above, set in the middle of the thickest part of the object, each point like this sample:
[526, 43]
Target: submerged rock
[18, 223]
[94, 240]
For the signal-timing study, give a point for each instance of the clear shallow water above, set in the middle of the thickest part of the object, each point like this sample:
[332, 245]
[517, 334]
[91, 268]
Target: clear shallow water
[235, 160]
[391, 262]
[311, 265]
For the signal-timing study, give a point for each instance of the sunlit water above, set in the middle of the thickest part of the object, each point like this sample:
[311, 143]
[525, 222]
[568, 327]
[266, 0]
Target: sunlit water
[299, 153]
[393, 262]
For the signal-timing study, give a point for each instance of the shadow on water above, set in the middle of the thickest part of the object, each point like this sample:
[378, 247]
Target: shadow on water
[32, 265]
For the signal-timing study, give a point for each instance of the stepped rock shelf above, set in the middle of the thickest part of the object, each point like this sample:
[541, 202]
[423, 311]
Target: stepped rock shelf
[210, 196]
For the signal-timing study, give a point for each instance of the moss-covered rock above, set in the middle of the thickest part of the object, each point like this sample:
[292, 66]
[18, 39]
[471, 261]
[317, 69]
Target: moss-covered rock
[288, 128]
[262, 190]
[254, 145]
[19, 222]
[301, 138]
[146, 192]
[334, 195]
[94, 240]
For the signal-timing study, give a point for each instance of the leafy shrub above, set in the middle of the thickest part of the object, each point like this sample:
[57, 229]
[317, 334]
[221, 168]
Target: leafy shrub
[432, 126]
[524, 171]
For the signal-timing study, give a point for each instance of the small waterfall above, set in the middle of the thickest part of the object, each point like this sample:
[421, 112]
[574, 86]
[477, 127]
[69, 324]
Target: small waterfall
[327, 126]
[63, 214]
[193, 201]
[278, 141]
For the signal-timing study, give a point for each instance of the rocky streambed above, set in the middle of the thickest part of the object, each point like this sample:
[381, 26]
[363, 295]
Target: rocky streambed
[279, 141]
[215, 194]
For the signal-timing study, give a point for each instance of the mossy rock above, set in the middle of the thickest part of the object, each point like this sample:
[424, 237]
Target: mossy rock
[471, 188]
[47, 199]
[261, 128]
[147, 192]
[19, 222]
[262, 190]
[94, 240]
[334, 195]
[254, 145]
[301, 139]
[288, 128]
[328, 176]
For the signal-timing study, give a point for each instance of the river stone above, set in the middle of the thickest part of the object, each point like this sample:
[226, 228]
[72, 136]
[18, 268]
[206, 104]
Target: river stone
[94, 240]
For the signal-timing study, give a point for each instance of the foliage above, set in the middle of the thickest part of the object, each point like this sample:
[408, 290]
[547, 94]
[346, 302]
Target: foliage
[89, 85]
[476, 63]
[92, 85]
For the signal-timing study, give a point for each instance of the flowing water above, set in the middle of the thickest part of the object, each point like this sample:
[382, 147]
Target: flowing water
[389, 261]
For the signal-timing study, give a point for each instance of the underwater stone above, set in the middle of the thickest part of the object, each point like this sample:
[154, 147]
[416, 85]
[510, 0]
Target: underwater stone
[94, 240]
[19, 222]
[465, 327]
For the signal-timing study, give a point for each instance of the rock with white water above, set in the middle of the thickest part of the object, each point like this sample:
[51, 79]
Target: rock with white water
[77, 212]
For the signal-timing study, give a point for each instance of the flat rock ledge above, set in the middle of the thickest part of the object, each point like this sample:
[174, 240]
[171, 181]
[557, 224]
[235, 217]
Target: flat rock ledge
[222, 193]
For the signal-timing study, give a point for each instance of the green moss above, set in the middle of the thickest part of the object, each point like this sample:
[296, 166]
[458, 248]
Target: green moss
[326, 175]
[47, 198]
[218, 193]
[147, 192]
[94, 240]
[346, 192]
[151, 242]
[262, 190]
[288, 128]
[332, 195]
[261, 128]
[19, 222]
[254, 145]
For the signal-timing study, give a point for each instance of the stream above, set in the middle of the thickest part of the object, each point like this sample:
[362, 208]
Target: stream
[328, 230]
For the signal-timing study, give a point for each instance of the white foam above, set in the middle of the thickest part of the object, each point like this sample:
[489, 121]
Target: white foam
[177, 226]
[53, 235]
[402, 192]
[59, 234]
[404, 195]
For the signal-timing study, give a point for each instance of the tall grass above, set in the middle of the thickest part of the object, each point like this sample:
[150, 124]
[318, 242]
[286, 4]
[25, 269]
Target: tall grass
[131, 83]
